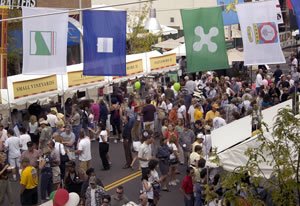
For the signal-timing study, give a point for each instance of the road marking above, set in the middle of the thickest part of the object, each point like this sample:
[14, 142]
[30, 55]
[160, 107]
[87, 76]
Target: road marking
[123, 180]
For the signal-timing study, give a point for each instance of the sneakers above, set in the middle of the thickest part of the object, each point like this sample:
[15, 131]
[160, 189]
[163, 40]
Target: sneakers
[121, 140]
[116, 141]
[177, 180]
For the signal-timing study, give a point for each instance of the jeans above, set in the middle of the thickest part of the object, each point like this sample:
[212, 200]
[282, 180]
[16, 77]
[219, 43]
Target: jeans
[190, 201]
[46, 182]
[76, 131]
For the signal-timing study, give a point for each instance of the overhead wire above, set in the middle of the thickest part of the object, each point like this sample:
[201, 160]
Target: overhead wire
[74, 10]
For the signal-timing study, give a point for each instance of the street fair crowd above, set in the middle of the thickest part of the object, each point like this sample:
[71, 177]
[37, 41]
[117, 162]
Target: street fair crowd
[162, 127]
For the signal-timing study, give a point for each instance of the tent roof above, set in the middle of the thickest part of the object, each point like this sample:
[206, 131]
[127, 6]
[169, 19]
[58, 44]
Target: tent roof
[165, 30]
[168, 44]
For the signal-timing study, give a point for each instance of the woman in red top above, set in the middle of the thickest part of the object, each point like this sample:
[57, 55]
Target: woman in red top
[170, 132]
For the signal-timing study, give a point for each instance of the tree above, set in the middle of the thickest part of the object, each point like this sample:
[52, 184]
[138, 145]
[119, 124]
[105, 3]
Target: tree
[139, 39]
[282, 153]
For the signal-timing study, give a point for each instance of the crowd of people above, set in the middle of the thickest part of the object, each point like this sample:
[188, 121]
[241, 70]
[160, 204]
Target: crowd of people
[160, 128]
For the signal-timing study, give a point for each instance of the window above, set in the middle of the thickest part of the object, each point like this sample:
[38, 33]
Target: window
[172, 20]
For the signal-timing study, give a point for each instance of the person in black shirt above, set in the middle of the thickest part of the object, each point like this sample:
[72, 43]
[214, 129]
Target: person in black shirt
[277, 74]
[73, 179]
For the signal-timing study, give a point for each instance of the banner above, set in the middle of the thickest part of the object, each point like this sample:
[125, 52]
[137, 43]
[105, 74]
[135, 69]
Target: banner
[104, 43]
[34, 86]
[296, 8]
[132, 68]
[204, 39]
[77, 78]
[260, 33]
[161, 62]
[229, 11]
[44, 41]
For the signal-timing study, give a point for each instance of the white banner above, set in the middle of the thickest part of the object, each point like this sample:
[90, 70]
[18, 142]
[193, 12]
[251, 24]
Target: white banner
[259, 26]
[44, 41]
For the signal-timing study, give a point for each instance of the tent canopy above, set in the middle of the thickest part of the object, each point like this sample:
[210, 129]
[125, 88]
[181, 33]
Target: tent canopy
[168, 44]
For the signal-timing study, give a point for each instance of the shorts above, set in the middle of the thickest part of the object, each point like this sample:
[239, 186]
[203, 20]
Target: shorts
[14, 162]
[84, 165]
[56, 178]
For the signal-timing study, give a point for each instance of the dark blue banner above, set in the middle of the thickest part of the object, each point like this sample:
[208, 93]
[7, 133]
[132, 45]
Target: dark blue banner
[104, 43]
[296, 7]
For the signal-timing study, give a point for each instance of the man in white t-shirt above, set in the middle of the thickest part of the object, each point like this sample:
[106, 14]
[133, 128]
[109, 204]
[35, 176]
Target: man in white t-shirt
[145, 151]
[294, 63]
[12, 144]
[84, 151]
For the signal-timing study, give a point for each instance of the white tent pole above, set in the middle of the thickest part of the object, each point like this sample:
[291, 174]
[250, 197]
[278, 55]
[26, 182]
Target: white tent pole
[63, 95]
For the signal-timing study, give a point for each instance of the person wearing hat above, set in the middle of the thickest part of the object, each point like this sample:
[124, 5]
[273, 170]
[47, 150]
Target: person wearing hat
[145, 151]
[45, 136]
[32, 154]
[198, 141]
[28, 183]
[94, 193]
[211, 114]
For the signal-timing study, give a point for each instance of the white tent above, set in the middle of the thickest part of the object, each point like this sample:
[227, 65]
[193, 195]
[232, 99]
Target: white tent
[179, 51]
[165, 30]
[168, 44]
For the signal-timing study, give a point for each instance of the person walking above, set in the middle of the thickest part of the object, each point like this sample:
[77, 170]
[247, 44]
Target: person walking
[145, 151]
[13, 146]
[127, 143]
[102, 136]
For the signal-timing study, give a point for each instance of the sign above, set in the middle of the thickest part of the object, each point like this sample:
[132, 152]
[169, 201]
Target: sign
[18, 4]
[77, 78]
[34, 86]
[133, 67]
[162, 61]
[71, 4]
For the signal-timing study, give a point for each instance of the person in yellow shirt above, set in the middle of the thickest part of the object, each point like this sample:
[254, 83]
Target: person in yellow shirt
[211, 114]
[28, 183]
[198, 114]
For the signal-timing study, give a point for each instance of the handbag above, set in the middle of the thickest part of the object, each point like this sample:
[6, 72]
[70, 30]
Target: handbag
[156, 188]
[63, 158]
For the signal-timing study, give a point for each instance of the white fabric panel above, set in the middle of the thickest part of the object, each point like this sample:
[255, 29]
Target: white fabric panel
[230, 134]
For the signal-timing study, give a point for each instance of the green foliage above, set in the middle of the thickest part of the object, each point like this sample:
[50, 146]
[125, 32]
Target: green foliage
[282, 153]
[139, 40]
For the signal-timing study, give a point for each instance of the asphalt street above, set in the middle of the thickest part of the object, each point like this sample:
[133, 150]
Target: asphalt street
[130, 179]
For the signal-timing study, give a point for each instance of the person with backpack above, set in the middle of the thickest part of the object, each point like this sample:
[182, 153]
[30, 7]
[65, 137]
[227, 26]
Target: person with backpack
[163, 154]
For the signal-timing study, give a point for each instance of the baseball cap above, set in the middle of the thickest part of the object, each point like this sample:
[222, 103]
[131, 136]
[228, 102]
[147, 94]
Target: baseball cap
[199, 136]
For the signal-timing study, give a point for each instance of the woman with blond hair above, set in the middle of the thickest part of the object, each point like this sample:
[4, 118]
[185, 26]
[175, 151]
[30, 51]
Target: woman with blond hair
[33, 130]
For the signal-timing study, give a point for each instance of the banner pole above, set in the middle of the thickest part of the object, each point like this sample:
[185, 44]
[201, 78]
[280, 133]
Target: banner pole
[63, 96]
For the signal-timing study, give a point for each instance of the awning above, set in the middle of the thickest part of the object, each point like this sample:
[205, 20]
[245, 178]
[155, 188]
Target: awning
[235, 55]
